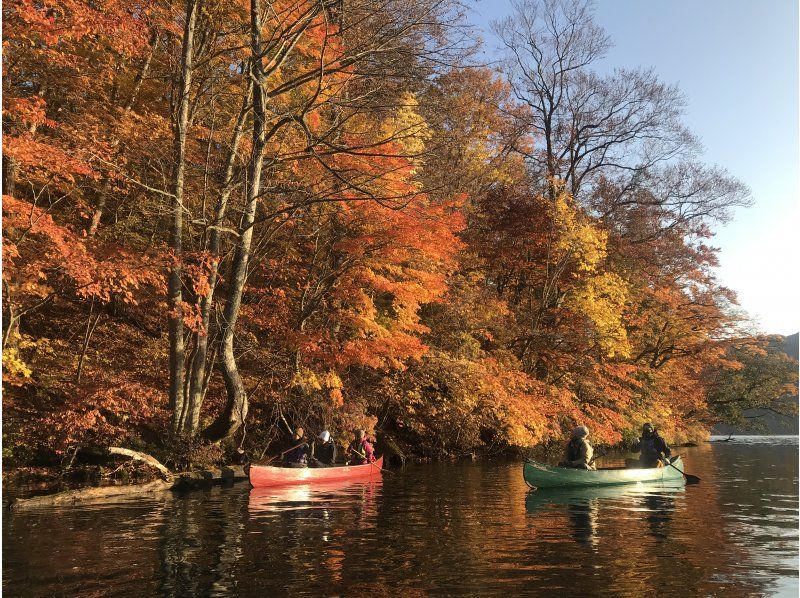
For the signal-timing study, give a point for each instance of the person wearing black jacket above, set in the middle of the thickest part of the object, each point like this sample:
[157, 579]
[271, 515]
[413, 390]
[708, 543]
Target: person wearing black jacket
[654, 448]
[324, 454]
[296, 454]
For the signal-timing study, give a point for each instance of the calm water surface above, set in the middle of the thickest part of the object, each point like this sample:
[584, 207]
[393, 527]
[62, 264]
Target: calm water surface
[466, 529]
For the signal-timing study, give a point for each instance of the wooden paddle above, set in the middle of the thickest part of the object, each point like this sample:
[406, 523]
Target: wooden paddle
[597, 456]
[271, 459]
[690, 479]
[375, 465]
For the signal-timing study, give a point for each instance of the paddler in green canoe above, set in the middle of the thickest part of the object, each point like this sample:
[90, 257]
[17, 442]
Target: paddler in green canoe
[579, 450]
[655, 451]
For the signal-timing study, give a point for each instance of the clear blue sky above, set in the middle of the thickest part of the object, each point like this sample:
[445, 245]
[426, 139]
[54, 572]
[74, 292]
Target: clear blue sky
[737, 63]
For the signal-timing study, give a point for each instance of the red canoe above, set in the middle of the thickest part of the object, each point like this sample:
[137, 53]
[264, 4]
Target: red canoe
[262, 476]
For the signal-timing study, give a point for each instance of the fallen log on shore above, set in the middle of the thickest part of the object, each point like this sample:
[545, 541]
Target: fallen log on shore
[188, 480]
[71, 497]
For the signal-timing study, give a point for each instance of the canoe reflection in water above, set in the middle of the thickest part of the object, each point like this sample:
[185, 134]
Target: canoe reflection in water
[306, 531]
[323, 496]
[584, 507]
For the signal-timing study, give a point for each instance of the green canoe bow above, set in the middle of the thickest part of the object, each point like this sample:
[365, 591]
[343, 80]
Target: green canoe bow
[541, 475]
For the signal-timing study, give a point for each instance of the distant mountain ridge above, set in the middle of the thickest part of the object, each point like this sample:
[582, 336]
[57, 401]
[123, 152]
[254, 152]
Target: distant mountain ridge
[775, 424]
[791, 346]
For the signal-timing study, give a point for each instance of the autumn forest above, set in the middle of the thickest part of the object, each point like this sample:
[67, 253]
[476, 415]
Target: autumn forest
[224, 218]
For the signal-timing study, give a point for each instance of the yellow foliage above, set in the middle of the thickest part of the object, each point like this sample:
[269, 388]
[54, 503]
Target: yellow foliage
[331, 380]
[15, 370]
[306, 380]
[407, 127]
[577, 239]
[602, 299]
[600, 295]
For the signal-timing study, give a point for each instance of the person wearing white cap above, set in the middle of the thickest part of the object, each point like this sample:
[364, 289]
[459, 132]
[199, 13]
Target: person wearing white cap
[325, 451]
[579, 450]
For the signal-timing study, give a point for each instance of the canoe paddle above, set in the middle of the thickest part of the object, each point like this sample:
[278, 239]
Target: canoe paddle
[375, 465]
[271, 459]
[690, 479]
[597, 456]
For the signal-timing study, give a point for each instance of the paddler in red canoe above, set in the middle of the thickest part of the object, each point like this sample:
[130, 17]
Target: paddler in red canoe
[360, 450]
[297, 453]
[323, 453]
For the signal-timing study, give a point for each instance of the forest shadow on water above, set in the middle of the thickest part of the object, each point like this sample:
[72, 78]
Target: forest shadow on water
[432, 529]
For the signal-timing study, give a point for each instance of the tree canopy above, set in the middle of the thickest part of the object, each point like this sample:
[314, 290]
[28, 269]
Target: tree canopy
[225, 218]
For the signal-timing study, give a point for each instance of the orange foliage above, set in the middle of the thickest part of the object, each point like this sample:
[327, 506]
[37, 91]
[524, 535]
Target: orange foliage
[407, 270]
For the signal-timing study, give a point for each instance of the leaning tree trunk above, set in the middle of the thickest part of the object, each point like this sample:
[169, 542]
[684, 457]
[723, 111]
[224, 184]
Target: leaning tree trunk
[197, 375]
[137, 85]
[177, 353]
[237, 405]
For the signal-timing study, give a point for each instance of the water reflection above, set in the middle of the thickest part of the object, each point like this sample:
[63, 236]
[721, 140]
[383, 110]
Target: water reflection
[199, 549]
[434, 529]
[660, 508]
[328, 495]
[585, 506]
[583, 519]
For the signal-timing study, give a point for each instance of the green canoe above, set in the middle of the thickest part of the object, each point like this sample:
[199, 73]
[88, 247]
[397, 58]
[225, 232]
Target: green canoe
[541, 475]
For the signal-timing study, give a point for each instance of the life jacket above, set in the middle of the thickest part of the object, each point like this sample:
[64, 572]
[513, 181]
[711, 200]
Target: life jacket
[574, 449]
[365, 448]
[650, 446]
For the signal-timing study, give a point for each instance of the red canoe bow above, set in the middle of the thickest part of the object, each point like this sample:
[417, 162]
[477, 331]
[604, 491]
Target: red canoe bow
[262, 476]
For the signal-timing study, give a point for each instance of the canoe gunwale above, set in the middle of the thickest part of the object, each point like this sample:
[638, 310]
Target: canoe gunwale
[263, 476]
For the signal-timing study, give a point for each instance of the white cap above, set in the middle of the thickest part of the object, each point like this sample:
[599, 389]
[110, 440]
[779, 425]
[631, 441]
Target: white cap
[325, 436]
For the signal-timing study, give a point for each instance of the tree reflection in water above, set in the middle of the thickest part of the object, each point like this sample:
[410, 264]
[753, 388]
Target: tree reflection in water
[449, 528]
[199, 553]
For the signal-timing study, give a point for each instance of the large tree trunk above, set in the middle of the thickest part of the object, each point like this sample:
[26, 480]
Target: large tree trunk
[197, 375]
[236, 408]
[177, 356]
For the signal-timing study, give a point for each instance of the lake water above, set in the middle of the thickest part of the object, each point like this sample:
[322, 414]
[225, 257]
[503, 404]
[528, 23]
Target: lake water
[463, 529]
